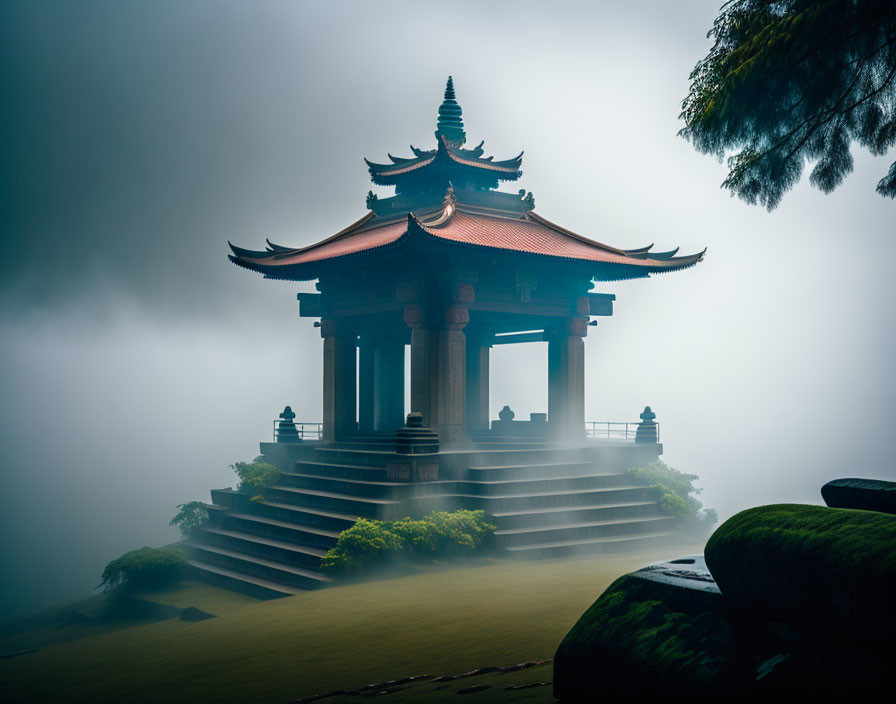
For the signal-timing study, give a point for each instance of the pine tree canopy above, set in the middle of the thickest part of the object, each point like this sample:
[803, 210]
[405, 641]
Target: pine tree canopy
[791, 82]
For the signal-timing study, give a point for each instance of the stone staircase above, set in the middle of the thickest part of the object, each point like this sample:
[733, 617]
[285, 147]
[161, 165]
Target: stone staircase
[546, 502]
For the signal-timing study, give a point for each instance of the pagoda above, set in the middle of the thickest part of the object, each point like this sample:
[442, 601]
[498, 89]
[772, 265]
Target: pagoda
[450, 266]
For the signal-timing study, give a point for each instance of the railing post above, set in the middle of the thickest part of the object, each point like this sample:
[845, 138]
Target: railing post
[647, 428]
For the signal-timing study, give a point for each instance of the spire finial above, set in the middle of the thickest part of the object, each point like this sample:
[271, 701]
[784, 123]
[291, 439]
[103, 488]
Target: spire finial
[450, 124]
[449, 89]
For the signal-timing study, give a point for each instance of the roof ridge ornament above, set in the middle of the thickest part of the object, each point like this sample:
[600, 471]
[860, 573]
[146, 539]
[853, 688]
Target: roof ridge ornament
[449, 207]
[450, 124]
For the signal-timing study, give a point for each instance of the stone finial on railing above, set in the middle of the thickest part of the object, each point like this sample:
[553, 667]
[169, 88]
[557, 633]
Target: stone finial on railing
[414, 439]
[286, 427]
[646, 432]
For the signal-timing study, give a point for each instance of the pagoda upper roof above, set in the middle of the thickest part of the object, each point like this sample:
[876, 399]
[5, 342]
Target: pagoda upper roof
[464, 225]
[446, 155]
[448, 162]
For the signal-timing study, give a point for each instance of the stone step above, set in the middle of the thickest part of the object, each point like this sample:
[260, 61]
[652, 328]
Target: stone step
[340, 471]
[579, 531]
[507, 487]
[259, 567]
[375, 458]
[557, 515]
[279, 530]
[332, 501]
[510, 444]
[353, 487]
[268, 548]
[369, 444]
[304, 515]
[532, 471]
[566, 548]
[554, 499]
[253, 586]
[519, 457]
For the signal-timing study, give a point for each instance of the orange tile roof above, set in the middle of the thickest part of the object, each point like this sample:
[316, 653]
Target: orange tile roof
[528, 234]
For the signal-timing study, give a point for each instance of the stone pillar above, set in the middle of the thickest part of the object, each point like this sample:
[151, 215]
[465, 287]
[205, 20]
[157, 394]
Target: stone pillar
[339, 381]
[388, 384]
[366, 383]
[452, 378]
[477, 383]
[566, 379]
[438, 364]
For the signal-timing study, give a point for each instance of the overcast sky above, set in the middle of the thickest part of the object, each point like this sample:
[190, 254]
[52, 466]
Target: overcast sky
[137, 363]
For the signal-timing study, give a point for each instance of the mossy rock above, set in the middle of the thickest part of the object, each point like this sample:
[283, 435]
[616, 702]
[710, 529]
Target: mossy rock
[823, 566]
[866, 494]
[640, 638]
[645, 639]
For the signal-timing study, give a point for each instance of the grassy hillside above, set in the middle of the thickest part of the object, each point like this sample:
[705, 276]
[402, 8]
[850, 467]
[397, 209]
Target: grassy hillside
[442, 623]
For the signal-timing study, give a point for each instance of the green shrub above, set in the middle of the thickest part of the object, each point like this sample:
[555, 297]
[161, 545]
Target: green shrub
[672, 502]
[144, 568]
[365, 543]
[256, 477]
[416, 535]
[675, 491]
[460, 530]
[189, 517]
[370, 543]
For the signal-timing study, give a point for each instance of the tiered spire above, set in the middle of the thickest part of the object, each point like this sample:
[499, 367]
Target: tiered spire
[450, 124]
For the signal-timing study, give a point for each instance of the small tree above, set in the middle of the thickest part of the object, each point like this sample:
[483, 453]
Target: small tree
[189, 517]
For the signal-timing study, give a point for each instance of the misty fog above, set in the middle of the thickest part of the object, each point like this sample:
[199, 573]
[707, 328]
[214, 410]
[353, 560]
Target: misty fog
[138, 363]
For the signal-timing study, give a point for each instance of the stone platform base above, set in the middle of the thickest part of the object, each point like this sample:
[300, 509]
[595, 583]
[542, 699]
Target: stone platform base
[546, 501]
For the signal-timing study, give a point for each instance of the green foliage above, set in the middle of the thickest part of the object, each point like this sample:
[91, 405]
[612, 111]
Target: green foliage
[256, 477]
[189, 517]
[809, 562]
[370, 543]
[459, 531]
[791, 81]
[673, 503]
[144, 568]
[675, 491]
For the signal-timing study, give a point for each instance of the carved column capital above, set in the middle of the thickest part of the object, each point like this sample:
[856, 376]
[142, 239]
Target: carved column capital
[577, 326]
[455, 317]
[414, 316]
[327, 328]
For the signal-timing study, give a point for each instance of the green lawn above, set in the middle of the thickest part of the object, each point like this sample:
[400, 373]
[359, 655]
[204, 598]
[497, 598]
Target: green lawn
[442, 622]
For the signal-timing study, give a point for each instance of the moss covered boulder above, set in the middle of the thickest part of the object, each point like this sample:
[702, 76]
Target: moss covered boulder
[796, 605]
[643, 637]
[866, 494]
[810, 564]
